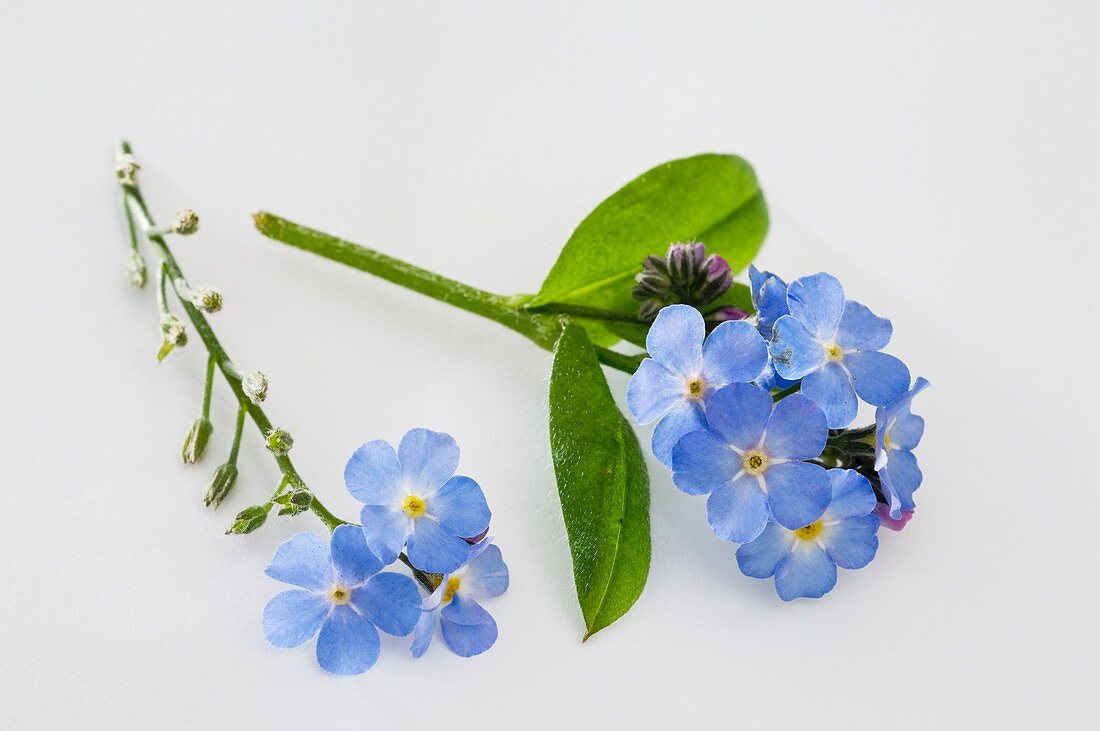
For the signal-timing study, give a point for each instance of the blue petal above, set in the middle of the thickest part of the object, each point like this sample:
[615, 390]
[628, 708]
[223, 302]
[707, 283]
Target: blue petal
[428, 459]
[798, 493]
[390, 601]
[424, 632]
[862, 329]
[796, 430]
[302, 560]
[675, 339]
[733, 353]
[760, 558]
[373, 474]
[817, 301]
[703, 462]
[386, 529]
[852, 543]
[905, 427]
[900, 479]
[487, 575]
[460, 507]
[653, 391]
[831, 389]
[878, 378]
[348, 644]
[756, 281]
[795, 350]
[738, 512]
[464, 610]
[352, 561]
[434, 549]
[769, 298]
[293, 617]
[684, 419]
[807, 572]
[852, 496]
[467, 640]
[739, 414]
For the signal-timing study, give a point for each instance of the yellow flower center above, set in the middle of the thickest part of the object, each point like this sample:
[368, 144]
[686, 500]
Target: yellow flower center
[696, 387]
[809, 532]
[452, 586]
[340, 594]
[754, 462]
[834, 352]
[414, 506]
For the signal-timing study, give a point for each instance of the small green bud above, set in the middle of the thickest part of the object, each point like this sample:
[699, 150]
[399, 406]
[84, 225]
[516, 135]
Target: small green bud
[134, 270]
[186, 223]
[207, 299]
[220, 485]
[279, 442]
[254, 385]
[194, 444]
[126, 169]
[173, 330]
[248, 520]
[294, 501]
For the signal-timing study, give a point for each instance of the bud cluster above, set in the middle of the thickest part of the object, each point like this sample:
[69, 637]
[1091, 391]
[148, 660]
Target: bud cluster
[685, 275]
[279, 442]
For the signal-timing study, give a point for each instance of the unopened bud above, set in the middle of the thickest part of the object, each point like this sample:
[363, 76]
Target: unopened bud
[126, 169]
[248, 520]
[254, 385]
[194, 444]
[220, 485]
[685, 275]
[207, 299]
[723, 314]
[186, 223]
[173, 330]
[294, 501]
[279, 442]
[134, 269]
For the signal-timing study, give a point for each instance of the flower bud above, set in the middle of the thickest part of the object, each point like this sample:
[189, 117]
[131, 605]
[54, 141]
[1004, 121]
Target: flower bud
[134, 269]
[194, 444]
[685, 274]
[723, 314]
[254, 385]
[220, 485]
[126, 169]
[207, 299]
[173, 330]
[294, 501]
[279, 442]
[186, 223]
[248, 520]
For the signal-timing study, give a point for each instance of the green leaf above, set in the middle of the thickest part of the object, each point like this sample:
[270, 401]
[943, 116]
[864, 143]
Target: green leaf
[602, 484]
[710, 198]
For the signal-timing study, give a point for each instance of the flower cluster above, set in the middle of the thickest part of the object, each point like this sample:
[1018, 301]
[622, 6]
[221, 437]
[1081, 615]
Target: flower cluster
[755, 416]
[414, 509]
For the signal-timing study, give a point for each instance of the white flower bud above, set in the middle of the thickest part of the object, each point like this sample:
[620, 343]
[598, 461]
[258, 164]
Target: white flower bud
[254, 385]
[173, 330]
[186, 223]
[126, 169]
[134, 269]
[207, 299]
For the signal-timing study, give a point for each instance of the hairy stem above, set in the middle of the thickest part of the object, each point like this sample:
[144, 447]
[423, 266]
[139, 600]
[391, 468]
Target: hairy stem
[541, 329]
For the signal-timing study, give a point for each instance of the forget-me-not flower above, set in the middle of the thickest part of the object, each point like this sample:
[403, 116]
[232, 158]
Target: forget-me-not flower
[453, 607]
[674, 383]
[897, 433]
[751, 462]
[343, 596]
[833, 346]
[804, 561]
[412, 495]
[769, 299]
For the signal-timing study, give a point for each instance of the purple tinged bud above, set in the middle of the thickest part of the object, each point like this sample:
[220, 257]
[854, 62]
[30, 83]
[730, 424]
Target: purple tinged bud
[883, 513]
[685, 275]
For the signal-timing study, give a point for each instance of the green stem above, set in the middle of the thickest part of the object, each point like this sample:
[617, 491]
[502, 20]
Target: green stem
[170, 269]
[430, 582]
[591, 313]
[207, 390]
[780, 395]
[237, 433]
[162, 296]
[541, 329]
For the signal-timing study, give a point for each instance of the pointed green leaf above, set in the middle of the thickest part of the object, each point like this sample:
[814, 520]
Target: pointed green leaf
[710, 198]
[602, 484]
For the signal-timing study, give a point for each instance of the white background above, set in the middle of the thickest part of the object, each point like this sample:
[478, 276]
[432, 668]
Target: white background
[941, 158]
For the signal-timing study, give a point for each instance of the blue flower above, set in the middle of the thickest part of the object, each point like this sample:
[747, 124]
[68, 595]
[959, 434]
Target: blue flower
[466, 627]
[897, 434]
[833, 345]
[412, 496]
[673, 384]
[751, 461]
[804, 561]
[769, 299]
[342, 595]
